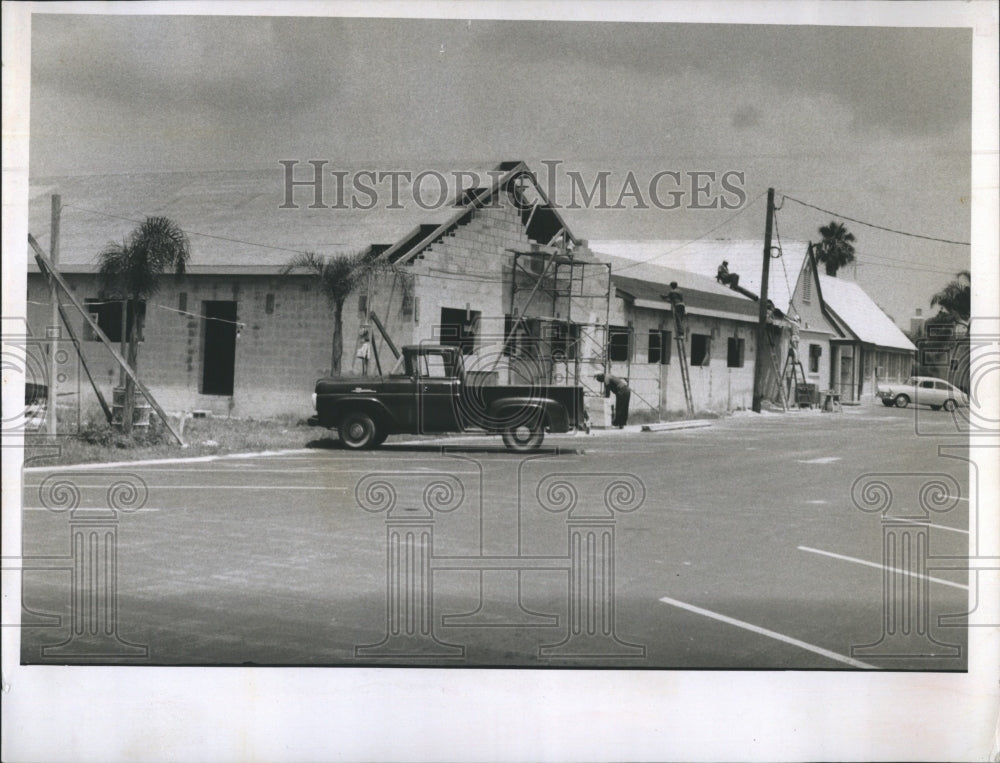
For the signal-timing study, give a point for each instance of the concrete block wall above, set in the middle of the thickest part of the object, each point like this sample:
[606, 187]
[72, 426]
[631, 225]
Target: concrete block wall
[470, 267]
[279, 355]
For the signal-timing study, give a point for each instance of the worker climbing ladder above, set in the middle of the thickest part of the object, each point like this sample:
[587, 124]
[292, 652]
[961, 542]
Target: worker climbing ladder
[683, 360]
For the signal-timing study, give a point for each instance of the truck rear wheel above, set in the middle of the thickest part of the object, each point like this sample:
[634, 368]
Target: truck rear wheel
[358, 431]
[524, 437]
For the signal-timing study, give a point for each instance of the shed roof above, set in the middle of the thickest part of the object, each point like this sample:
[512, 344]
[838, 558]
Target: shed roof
[651, 283]
[861, 315]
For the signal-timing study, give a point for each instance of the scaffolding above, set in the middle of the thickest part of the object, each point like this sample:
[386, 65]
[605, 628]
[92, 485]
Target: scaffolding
[570, 287]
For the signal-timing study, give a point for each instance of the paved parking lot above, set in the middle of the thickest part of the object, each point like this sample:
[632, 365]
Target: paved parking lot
[741, 545]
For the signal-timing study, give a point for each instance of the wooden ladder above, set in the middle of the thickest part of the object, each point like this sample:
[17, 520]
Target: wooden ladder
[682, 357]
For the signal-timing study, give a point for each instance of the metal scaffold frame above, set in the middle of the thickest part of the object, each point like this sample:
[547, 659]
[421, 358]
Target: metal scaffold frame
[563, 280]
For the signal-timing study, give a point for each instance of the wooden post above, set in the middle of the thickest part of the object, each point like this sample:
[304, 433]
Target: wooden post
[762, 338]
[122, 341]
[46, 266]
[53, 380]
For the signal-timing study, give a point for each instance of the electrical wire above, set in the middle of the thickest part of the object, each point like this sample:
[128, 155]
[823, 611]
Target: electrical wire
[703, 235]
[238, 324]
[189, 232]
[873, 225]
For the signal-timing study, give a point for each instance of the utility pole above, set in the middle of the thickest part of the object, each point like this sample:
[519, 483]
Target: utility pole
[50, 419]
[762, 339]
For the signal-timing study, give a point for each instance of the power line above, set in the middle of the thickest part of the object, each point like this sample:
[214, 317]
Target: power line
[189, 232]
[872, 225]
[686, 243]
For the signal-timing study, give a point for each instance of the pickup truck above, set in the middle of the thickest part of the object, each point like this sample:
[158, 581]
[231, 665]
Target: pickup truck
[427, 392]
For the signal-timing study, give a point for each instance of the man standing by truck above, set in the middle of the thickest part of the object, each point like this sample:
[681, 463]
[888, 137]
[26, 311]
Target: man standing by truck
[622, 396]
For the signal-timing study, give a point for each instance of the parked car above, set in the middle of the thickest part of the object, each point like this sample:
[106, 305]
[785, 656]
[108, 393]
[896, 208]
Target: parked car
[429, 391]
[923, 390]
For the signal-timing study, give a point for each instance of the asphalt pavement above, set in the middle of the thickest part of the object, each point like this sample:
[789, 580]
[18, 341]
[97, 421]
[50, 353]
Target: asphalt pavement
[815, 541]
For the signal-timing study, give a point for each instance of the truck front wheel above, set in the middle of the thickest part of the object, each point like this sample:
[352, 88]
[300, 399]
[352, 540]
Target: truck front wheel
[524, 437]
[358, 431]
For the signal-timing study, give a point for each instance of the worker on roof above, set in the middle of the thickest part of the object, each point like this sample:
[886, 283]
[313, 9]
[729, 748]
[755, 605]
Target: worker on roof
[726, 278]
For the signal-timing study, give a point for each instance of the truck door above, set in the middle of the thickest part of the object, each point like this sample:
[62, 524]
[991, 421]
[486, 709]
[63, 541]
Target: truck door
[437, 393]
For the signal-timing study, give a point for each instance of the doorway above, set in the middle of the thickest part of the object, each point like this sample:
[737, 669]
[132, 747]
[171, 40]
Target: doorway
[458, 328]
[218, 363]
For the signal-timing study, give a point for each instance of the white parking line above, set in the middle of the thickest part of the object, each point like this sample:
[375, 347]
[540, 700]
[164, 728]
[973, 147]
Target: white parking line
[769, 633]
[221, 487]
[84, 508]
[928, 524]
[882, 567]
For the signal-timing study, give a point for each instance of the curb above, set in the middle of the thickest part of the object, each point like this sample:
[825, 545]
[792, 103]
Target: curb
[667, 426]
[155, 461]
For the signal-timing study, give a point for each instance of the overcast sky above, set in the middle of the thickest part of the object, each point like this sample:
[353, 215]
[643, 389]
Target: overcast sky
[873, 123]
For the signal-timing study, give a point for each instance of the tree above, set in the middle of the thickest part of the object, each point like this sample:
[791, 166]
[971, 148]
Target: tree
[339, 275]
[131, 271]
[836, 249]
[955, 299]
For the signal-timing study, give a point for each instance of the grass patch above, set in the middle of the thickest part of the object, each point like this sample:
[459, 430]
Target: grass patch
[98, 442]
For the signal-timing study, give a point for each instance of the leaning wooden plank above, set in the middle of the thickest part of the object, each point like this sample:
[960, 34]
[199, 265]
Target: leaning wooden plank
[77, 347]
[46, 266]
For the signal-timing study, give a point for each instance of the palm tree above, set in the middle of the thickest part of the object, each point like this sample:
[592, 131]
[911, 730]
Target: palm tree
[836, 249]
[339, 275]
[131, 271]
[955, 299]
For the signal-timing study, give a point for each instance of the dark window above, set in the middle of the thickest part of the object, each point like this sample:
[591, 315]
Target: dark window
[363, 304]
[108, 316]
[701, 349]
[659, 347]
[458, 328]
[618, 343]
[655, 349]
[734, 352]
[269, 304]
[815, 351]
[182, 302]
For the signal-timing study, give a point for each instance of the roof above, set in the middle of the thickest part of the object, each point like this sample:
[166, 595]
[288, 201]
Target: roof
[703, 257]
[241, 218]
[866, 320]
[650, 284]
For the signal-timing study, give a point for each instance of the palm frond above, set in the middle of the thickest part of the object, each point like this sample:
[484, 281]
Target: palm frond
[133, 268]
[338, 274]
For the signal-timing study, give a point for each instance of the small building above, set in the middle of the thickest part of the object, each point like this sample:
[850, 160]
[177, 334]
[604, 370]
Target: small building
[719, 340]
[870, 347]
[846, 343]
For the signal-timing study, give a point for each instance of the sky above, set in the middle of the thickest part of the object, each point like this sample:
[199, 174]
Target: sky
[868, 122]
